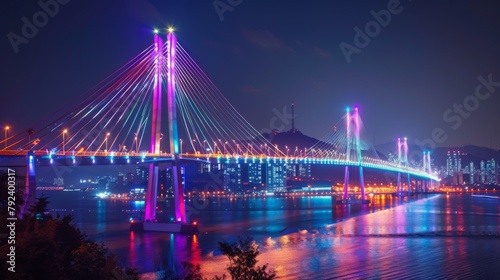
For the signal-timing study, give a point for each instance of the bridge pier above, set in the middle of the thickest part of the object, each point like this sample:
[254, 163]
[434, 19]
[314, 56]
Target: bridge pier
[398, 187]
[152, 192]
[346, 184]
[409, 185]
[30, 184]
[362, 186]
[180, 210]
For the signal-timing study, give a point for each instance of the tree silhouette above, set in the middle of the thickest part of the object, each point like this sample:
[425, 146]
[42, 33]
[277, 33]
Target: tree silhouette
[242, 260]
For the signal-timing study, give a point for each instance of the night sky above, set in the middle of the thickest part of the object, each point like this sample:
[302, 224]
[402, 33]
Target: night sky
[264, 54]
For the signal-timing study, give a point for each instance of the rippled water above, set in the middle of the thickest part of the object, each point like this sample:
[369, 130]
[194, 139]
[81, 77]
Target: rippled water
[439, 236]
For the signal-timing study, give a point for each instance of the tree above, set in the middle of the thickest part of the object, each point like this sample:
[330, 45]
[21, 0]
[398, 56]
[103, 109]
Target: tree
[54, 248]
[242, 260]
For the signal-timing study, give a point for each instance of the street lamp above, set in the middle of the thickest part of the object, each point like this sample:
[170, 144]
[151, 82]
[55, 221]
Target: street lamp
[136, 143]
[64, 141]
[106, 140]
[6, 130]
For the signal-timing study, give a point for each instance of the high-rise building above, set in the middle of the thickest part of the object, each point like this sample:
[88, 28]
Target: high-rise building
[449, 164]
[482, 169]
[305, 171]
[232, 177]
[454, 167]
[275, 176]
[490, 172]
[291, 171]
[141, 175]
[255, 173]
[497, 170]
[471, 172]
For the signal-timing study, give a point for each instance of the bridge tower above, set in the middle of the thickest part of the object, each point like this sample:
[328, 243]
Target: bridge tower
[154, 170]
[426, 159]
[180, 211]
[407, 164]
[353, 138]
[403, 161]
[150, 211]
[400, 160]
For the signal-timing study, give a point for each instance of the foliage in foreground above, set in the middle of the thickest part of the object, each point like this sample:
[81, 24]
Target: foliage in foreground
[54, 248]
[242, 256]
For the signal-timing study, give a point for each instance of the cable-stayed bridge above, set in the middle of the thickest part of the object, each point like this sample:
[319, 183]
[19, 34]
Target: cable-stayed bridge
[121, 121]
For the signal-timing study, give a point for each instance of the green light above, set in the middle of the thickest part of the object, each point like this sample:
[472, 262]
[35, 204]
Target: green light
[155, 31]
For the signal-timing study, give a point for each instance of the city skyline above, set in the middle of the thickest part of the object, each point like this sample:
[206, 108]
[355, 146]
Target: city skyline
[263, 66]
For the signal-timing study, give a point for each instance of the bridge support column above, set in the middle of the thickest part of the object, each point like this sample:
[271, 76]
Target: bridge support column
[409, 185]
[362, 184]
[30, 184]
[180, 210]
[152, 192]
[345, 196]
[398, 187]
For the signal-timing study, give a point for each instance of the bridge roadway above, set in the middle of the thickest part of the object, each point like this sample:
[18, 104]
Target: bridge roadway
[84, 158]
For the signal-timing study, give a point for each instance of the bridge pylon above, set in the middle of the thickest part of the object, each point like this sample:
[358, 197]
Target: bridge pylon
[403, 161]
[426, 159]
[353, 140]
[150, 221]
[151, 195]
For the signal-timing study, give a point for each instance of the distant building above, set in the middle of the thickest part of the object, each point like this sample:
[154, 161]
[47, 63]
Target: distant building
[491, 172]
[232, 177]
[255, 173]
[454, 167]
[305, 172]
[275, 176]
[482, 169]
[471, 172]
[141, 175]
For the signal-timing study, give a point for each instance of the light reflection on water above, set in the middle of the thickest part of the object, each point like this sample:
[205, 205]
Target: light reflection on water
[312, 237]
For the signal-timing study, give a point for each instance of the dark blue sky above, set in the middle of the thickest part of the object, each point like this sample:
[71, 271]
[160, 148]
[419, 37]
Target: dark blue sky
[264, 54]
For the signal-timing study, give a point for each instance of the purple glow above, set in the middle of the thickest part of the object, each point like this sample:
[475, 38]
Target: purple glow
[150, 207]
[156, 112]
[180, 211]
